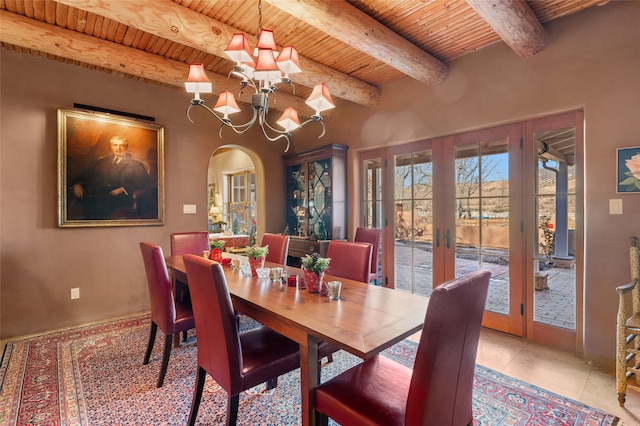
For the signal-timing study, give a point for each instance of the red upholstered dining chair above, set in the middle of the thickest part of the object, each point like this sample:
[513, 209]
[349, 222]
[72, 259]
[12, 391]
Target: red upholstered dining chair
[350, 260]
[438, 391]
[278, 247]
[373, 236]
[170, 315]
[237, 361]
[189, 243]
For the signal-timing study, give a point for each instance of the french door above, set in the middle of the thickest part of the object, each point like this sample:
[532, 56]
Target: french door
[554, 210]
[485, 219]
[473, 201]
[453, 200]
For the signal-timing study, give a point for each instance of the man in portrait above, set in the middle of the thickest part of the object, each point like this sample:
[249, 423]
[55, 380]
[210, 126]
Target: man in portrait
[110, 187]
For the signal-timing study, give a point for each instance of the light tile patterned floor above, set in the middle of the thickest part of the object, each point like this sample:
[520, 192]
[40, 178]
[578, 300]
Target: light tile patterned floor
[558, 371]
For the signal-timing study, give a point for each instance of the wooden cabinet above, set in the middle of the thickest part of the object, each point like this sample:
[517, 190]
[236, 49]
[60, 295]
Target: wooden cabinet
[298, 247]
[316, 195]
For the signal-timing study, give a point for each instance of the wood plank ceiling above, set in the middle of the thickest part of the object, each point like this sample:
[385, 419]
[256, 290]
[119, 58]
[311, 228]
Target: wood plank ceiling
[355, 47]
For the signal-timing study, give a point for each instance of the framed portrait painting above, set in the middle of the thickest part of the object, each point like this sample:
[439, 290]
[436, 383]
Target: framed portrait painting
[110, 170]
[628, 170]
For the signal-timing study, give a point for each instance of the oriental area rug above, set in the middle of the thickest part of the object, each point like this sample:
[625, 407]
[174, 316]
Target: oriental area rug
[94, 375]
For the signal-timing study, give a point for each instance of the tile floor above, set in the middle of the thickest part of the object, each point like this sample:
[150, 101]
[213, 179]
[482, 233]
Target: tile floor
[556, 370]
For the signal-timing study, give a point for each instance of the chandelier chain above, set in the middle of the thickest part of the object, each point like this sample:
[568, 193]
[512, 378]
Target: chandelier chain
[259, 18]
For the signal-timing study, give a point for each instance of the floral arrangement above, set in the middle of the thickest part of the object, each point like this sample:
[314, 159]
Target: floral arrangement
[632, 181]
[315, 263]
[216, 244]
[548, 243]
[256, 252]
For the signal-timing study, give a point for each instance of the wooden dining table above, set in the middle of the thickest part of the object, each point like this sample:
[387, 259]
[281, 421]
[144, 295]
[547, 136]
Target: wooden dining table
[365, 320]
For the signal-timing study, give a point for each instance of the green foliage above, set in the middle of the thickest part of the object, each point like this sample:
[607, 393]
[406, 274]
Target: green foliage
[256, 252]
[630, 183]
[315, 263]
[218, 244]
[548, 243]
[235, 226]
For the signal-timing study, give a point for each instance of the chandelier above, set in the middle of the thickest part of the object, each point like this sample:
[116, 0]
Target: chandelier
[261, 76]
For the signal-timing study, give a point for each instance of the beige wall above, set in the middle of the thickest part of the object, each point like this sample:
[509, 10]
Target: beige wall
[592, 63]
[40, 262]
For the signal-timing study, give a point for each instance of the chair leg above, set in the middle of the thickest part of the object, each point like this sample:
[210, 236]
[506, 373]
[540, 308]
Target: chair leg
[168, 339]
[184, 335]
[152, 339]
[272, 384]
[232, 410]
[330, 358]
[201, 375]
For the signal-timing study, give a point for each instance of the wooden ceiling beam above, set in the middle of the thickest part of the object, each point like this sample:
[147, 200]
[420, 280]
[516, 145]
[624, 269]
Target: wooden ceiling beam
[39, 36]
[169, 20]
[346, 23]
[515, 23]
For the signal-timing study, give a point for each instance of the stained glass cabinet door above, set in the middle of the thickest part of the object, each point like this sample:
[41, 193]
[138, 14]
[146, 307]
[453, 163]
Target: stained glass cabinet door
[316, 193]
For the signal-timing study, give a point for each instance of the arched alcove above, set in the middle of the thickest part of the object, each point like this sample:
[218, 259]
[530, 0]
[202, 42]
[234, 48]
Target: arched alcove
[234, 181]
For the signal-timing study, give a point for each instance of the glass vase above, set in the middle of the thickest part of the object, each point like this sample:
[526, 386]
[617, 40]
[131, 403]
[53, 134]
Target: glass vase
[313, 281]
[255, 264]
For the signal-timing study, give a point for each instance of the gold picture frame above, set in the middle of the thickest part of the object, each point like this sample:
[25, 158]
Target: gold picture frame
[110, 170]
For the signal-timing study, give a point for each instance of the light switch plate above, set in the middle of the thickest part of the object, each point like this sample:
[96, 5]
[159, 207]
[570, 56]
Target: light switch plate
[615, 206]
[189, 209]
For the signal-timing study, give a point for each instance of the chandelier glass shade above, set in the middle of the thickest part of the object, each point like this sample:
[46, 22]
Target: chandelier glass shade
[262, 75]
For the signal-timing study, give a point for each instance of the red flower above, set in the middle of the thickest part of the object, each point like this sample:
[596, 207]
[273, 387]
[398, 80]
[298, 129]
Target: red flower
[550, 226]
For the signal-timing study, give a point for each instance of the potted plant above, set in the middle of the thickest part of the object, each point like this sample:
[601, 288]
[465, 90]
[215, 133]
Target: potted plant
[313, 267]
[256, 256]
[547, 245]
[215, 249]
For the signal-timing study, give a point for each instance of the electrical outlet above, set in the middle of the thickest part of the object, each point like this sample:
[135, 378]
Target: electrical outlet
[75, 293]
[615, 206]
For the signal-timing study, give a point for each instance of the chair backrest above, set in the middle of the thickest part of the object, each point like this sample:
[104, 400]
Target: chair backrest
[278, 247]
[350, 260]
[373, 236]
[189, 243]
[218, 340]
[163, 308]
[442, 382]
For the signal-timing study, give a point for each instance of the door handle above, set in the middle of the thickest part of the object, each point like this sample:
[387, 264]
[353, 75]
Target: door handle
[437, 237]
[447, 239]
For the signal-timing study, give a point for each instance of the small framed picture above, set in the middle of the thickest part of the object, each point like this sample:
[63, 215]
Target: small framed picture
[628, 170]
[110, 170]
